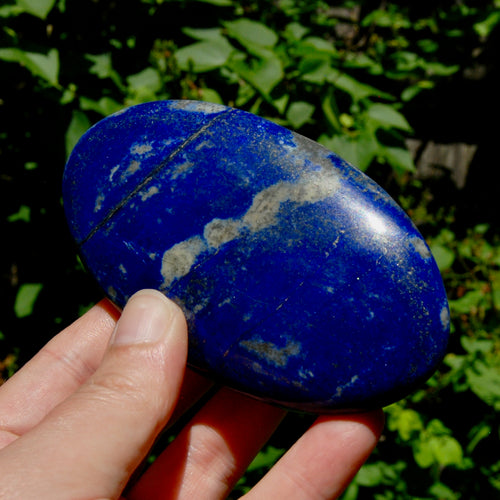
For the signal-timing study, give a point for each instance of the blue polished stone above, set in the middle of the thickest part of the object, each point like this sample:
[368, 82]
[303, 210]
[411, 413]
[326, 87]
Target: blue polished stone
[303, 282]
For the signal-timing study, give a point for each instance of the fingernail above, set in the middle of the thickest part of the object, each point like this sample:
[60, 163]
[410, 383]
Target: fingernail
[146, 318]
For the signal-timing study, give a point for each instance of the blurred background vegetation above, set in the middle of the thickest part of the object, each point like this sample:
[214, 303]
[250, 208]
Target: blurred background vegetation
[407, 91]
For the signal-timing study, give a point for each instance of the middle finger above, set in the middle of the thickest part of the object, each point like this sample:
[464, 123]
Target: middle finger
[212, 451]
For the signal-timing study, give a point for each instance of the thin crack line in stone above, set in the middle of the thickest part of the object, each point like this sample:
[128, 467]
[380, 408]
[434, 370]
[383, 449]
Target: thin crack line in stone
[151, 176]
[253, 328]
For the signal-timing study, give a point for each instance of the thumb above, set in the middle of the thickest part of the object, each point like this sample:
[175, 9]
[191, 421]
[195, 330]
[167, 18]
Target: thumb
[90, 444]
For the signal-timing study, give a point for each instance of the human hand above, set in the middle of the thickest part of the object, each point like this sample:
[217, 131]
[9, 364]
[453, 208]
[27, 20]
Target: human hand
[78, 419]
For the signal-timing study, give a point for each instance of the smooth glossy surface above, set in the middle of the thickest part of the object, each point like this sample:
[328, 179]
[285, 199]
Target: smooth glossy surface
[303, 283]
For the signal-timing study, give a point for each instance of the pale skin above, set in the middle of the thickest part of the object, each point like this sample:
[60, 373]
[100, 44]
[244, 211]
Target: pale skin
[79, 418]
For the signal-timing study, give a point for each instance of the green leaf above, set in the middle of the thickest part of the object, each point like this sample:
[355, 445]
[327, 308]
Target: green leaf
[359, 152]
[438, 69]
[468, 302]
[315, 70]
[219, 3]
[435, 445]
[204, 56]
[347, 121]
[281, 103]
[148, 78]
[41, 65]
[409, 421]
[399, 158]
[102, 66]
[478, 433]
[406, 422]
[317, 45]
[210, 95]
[69, 94]
[443, 256]
[442, 492]
[143, 86]
[250, 33]
[379, 473]
[423, 454]
[267, 74]
[46, 66]
[295, 31]
[484, 381]
[357, 90]
[299, 113]
[386, 18]
[413, 90]
[447, 450]
[436, 427]
[331, 111]
[361, 60]
[104, 106]
[203, 33]
[10, 10]
[246, 92]
[24, 214]
[263, 74]
[481, 229]
[475, 345]
[352, 492]
[26, 298]
[38, 8]
[266, 458]
[406, 61]
[387, 117]
[78, 126]
[484, 28]
[496, 298]
[368, 148]
[370, 475]
[428, 45]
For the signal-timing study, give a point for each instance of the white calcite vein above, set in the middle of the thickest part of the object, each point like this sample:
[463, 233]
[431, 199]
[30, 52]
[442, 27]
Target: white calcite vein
[313, 187]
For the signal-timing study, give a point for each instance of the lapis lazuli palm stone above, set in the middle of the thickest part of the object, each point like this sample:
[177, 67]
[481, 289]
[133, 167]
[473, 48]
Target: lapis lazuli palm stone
[303, 283]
